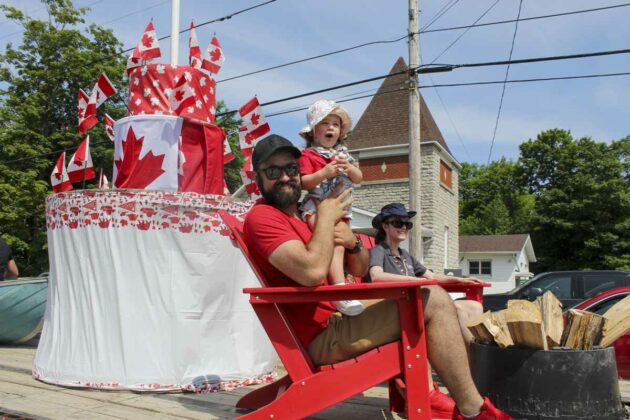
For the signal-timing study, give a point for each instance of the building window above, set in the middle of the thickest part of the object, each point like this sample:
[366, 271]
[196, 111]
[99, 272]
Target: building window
[480, 267]
[446, 175]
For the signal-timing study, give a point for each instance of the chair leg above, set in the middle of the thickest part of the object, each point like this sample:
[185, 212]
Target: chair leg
[396, 399]
[264, 395]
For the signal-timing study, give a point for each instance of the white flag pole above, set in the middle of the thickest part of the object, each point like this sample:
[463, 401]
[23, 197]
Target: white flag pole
[174, 31]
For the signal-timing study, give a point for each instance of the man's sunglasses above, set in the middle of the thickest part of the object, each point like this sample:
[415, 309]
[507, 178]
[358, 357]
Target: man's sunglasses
[399, 224]
[275, 172]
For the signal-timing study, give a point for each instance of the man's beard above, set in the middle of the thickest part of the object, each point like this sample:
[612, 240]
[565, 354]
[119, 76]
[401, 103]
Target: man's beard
[281, 199]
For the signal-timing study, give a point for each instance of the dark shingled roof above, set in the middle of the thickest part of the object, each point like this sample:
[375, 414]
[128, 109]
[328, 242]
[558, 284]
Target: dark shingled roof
[385, 121]
[492, 243]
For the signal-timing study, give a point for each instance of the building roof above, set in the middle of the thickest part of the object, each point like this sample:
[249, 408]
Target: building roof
[492, 243]
[385, 121]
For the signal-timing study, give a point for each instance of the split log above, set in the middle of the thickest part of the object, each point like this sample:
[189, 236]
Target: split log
[553, 323]
[503, 337]
[525, 324]
[490, 327]
[617, 322]
[583, 330]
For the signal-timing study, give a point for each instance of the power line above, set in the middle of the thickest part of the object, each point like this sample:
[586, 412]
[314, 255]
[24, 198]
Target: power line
[440, 13]
[541, 79]
[501, 22]
[423, 31]
[507, 72]
[465, 32]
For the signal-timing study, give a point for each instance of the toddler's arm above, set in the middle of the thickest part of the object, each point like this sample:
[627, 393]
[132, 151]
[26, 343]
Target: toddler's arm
[311, 181]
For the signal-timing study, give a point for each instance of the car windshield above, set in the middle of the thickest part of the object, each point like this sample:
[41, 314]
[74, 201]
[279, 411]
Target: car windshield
[523, 285]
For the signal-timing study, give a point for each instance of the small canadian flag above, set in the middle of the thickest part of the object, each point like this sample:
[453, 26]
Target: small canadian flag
[109, 127]
[85, 121]
[194, 52]
[248, 177]
[59, 178]
[80, 167]
[103, 89]
[254, 125]
[181, 96]
[214, 58]
[147, 48]
[227, 151]
[103, 183]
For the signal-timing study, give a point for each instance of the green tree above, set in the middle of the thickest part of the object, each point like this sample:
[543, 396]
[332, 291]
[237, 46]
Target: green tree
[230, 125]
[494, 199]
[38, 115]
[582, 200]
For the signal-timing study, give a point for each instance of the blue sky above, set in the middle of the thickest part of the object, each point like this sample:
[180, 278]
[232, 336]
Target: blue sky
[286, 30]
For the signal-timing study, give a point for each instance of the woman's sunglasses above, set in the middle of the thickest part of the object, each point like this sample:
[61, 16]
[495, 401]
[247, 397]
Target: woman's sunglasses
[275, 172]
[399, 224]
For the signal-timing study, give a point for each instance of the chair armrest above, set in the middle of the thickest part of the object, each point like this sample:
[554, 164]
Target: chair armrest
[385, 290]
[473, 291]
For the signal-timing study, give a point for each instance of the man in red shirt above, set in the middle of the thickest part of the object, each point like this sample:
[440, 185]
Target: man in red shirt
[286, 250]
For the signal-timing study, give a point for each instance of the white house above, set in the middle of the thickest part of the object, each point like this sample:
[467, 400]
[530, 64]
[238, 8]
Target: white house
[501, 260]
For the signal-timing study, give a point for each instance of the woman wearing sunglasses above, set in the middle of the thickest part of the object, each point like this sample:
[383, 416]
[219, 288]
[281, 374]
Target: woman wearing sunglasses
[390, 262]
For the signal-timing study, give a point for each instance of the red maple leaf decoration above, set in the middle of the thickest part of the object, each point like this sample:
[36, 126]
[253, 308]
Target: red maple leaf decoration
[215, 55]
[98, 95]
[179, 95]
[134, 172]
[81, 112]
[58, 176]
[255, 118]
[147, 40]
[249, 138]
[78, 161]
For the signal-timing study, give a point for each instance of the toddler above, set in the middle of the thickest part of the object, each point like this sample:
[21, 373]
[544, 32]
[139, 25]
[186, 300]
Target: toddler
[324, 164]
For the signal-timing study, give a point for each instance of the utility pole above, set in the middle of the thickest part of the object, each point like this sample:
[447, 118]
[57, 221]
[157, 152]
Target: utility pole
[414, 132]
[174, 31]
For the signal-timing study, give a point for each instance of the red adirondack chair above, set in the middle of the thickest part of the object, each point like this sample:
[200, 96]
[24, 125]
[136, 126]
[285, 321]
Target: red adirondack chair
[308, 389]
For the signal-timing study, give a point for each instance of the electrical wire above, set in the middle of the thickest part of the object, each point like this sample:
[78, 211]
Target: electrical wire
[540, 79]
[419, 32]
[507, 72]
[440, 13]
[465, 32]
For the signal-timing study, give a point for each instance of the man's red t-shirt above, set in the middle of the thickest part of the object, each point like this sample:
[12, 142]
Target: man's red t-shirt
[264, 230]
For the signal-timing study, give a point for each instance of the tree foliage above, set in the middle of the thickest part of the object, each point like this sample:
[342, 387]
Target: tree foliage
[493, 199]
[582, 217]
[38, 116]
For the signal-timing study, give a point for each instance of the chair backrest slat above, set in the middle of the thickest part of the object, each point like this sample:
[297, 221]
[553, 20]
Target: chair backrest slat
[236, 229]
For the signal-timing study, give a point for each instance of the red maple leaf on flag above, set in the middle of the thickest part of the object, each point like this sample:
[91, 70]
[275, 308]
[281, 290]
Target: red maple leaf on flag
[58, 176]
[255, 118]
[78, 161]
[215, 55]
[249, 138]
[147, 40]
[179, 95]
[81, 112]
[134, 172]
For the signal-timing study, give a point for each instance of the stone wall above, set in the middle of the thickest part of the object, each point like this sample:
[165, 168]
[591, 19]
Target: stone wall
[439, 205]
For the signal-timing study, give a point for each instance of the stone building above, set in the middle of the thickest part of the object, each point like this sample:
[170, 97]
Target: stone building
[380, 142]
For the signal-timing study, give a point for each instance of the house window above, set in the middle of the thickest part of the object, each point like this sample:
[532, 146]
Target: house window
[480, 267]
[446, 175]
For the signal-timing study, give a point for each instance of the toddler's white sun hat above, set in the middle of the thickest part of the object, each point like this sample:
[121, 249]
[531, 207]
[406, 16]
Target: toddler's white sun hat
[320, 110]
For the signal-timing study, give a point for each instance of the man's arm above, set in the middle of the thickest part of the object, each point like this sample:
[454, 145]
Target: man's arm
[12, 270]
[308, 264]
[355, 263]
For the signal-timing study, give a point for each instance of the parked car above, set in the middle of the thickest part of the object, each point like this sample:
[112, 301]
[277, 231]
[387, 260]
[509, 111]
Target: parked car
[570, 287]
[600, 304]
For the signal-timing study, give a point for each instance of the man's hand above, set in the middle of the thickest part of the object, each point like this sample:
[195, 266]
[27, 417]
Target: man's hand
[344, 235]
[335, 205]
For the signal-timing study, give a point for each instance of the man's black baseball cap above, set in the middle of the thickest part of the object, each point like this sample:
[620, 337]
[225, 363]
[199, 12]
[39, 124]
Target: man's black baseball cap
[270, 145]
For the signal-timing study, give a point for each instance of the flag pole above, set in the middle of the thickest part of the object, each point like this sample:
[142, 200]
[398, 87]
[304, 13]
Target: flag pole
[174, 31]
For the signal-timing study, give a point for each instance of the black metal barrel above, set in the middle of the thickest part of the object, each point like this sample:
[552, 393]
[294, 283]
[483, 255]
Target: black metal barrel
[554, 384]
